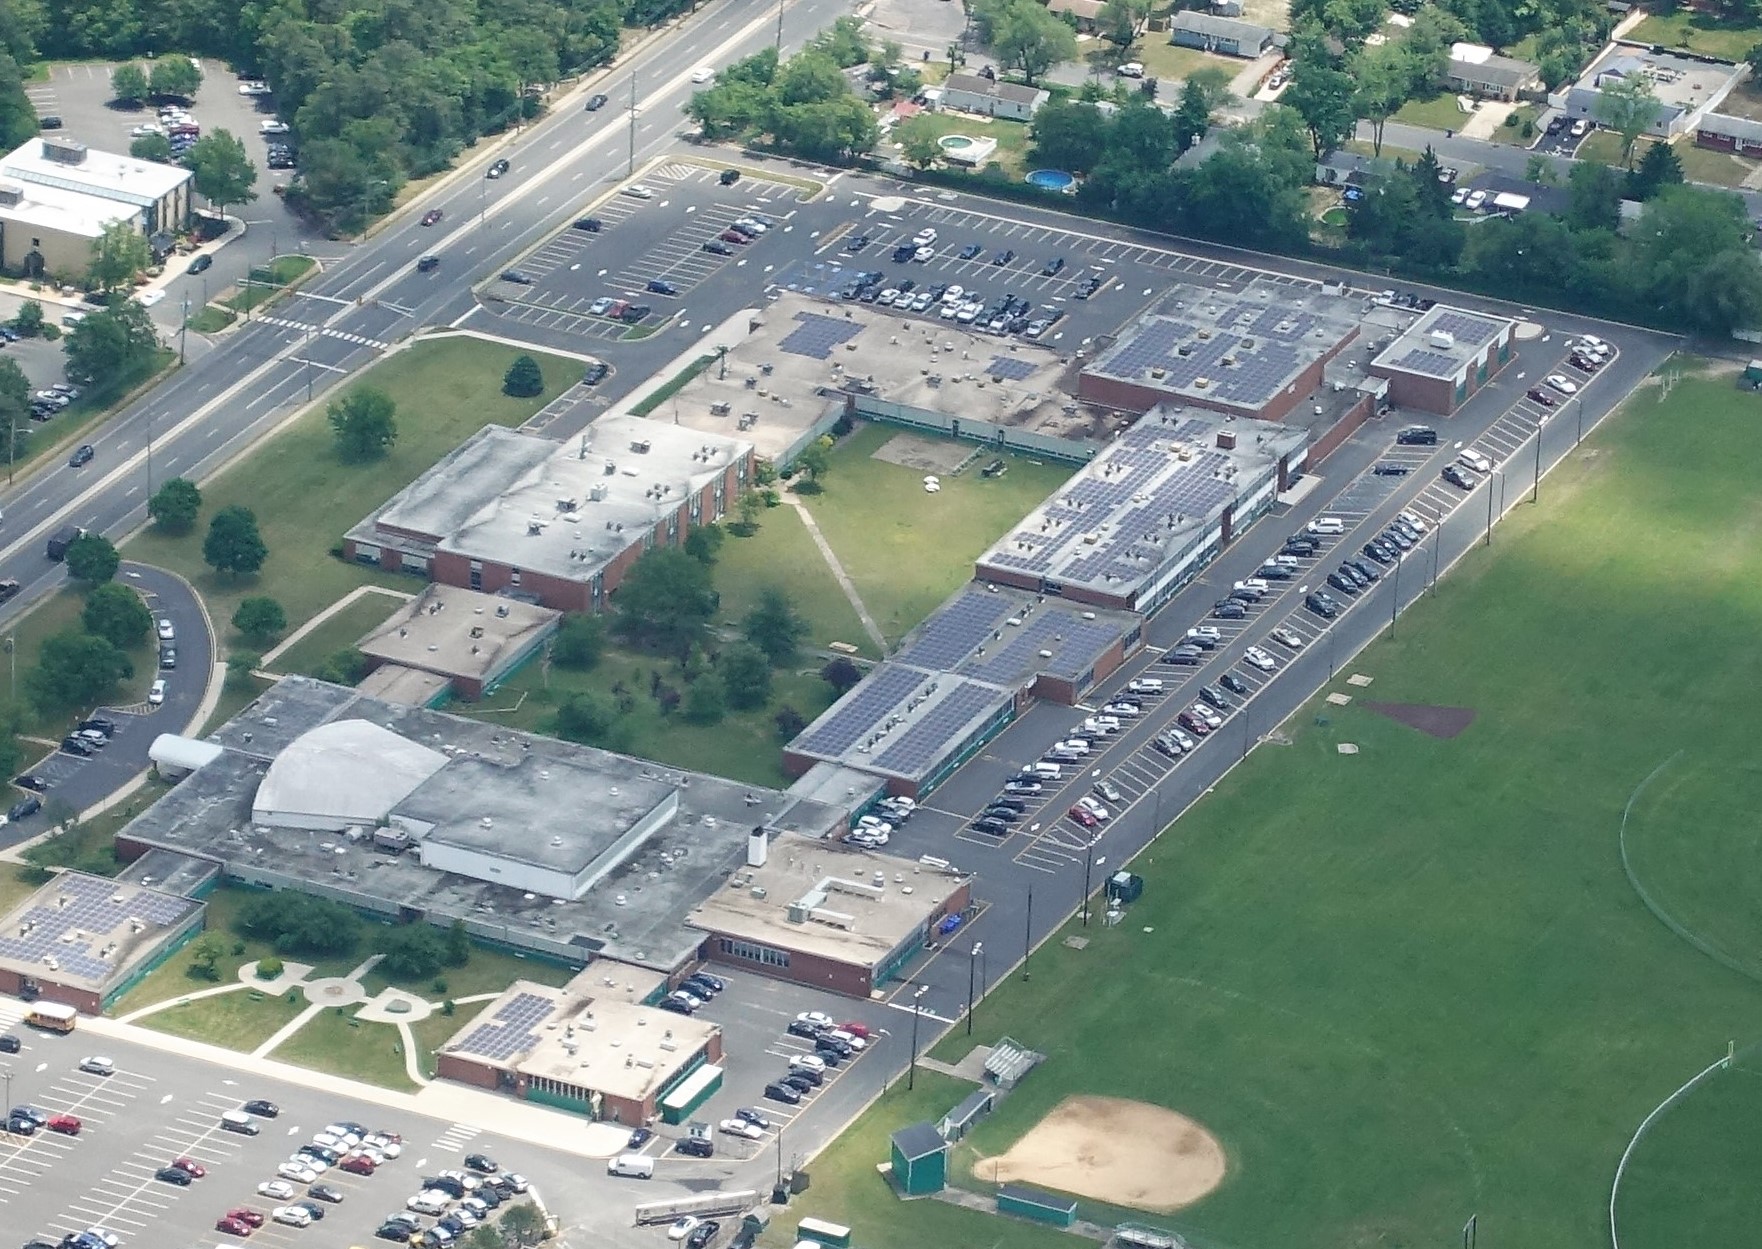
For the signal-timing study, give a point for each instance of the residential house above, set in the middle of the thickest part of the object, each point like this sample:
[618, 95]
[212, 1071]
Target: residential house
[971, 93]
[1479, 71]
[1725, 133]
[1227, 36]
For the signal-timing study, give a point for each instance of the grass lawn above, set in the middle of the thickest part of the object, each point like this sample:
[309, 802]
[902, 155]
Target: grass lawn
[1390, 153]
[337, 1042]
[239, 1021]
[489, 971]
[743, 746]
[16, 884]
[212, 319]
[782, 554]
[1511, 129]
[340, 632]
[1438, 113]
[905, 550]
[1699, 164]
[1165, 62]
[1605, 145]
[57, 613]
[432, 1033]
[1011, 136]
[1401, 1003]
[305, 496]
[1699, 32]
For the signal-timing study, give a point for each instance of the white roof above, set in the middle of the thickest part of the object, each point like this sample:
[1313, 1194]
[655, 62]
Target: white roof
[107, 175]
[65, 212]
[1470, 53]
[188, 753]
[342, 773]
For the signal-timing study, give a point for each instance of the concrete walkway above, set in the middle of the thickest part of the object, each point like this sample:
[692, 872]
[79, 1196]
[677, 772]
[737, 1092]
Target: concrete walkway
[289, 1028]
[264, 664]
[412, 1068]
[838, 573]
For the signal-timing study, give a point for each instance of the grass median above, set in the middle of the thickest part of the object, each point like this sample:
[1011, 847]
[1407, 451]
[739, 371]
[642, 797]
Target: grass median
[1412, 983]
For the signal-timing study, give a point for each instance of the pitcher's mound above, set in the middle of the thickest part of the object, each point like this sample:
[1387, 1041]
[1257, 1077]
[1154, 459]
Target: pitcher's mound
[1445, 722]
[1125, 1153]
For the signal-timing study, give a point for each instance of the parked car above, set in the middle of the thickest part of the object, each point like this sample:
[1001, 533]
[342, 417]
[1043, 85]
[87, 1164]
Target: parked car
[496, 169]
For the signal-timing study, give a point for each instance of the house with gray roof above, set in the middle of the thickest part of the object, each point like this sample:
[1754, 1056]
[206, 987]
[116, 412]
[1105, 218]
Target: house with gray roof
[1227, 36]
[989, 97]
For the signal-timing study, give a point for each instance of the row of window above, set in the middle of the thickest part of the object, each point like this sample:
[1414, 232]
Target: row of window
[753, 953]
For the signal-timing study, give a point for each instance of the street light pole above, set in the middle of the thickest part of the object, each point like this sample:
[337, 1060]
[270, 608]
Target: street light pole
[972, 965]
[1028, 933]
[630, 165]
[182, 334]
[1395, 606]
[911, 1079]
[1536, 486]
[1090, 863]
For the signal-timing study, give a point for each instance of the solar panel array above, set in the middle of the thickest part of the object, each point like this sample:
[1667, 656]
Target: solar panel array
[1245, 354]
[90, 911]
[1009, 368]
[1465, 327]
[950, 637]
[1130, 499]
[817, 337]
[513, 1029]
[1075, 644]
[1431, 363]
[864, 710]
[914, 751]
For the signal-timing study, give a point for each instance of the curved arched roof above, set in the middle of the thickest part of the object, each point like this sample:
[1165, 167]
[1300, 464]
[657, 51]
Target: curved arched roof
[345, 772]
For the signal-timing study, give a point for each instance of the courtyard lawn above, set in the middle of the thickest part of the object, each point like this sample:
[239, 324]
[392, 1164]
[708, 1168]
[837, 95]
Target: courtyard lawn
[1413, 984]
[1438, 113]
[433, 1032]
[305, 496]
[783, 554]
[905, 550]
[335, 1041]
[1011, 136]
[338, 633]
[489, 971]
[237, 1021]
[1700, 32]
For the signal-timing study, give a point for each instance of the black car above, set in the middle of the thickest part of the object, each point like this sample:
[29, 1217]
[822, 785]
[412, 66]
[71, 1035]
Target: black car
[638, 1138]
[1187, 656]
[595, 373]
[517, 277]
[496, 170]
[803, 1082]
[1321, 604]
[593, 225]
[661, 286]
[325, 1192]
[1456, 477]
[1007, 814]
[83, 456]
[903, 253]
[25, 808]
[1274, 572]
[698, 987]
[1301, 544]
[702, 1234]
[1417, 436]
[9, 1044]
[991, 824]
[1353, 575]
[97, 724]
[446, 1184]
[780, 1092]
[970, 250]
[18, 1125]
[1003, 257]
[673, 1006]
[597, 101]
[428, 264]
[74, 746]
[804, 1028]
[1014, 804]
[1229, 609]
[1216, 697]
[1088, 287]
[329, 1157]
[729, 177]
[260, 1108]
[483, 1164]
[1053, 267]
[491, 1197]
[1376, 552]
[30, 1114]
[695, 1147]
[201, 264]
[399, 1232]
[1342, 583]
[1234, 683]
[856, 243]
[716, 247]
[634, 313]
[1364, 570]
[1391, 470]
[310, 1207]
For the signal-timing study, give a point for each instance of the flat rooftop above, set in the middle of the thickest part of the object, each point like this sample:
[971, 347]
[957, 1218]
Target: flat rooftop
[107, 175]
[1238, 348]
[902, 720]
[1680, 83]
[804, 351]
[584, 1034]
[825, 899]
[562, 510]
[66, 212]
[1009, 637]
[1151, 492]
[87, 931]
[635, 914]
[1441, 342]
[459, 633]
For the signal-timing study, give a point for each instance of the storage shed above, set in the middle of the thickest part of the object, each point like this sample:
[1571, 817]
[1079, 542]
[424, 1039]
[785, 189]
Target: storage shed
[920, 1160]
[1036, 1204]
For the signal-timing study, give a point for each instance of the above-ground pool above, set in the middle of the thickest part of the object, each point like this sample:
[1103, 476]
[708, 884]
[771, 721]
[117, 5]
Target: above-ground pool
[1052, 179]
[964, 149]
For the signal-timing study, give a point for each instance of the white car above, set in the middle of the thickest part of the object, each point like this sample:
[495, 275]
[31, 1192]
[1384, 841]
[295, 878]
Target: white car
[740, 1128]
[1144, 685]
[1475, 200]
[1102, 724]
[254, 87]
[682, 1227]
[167, 630]
[702, 74]
[924, 237]
[144, 129]
[869, 837]
[637, 190]
[1207, 714]
[1125, 711]
[295, 1171]
[1561, 384]
[1205, 631]
[1260, 659]
[1131, 69]
[471, 1182]
[96, 1066]
[816, 1017]
[856, 1043]
[384, 1144]
[1093, 807]
[1458, 195]
[280, 1190]
[515, 1180]
[1284, 637]
[326, 1140]
[923, 256]
[274, 125]
[600, 306]
[1182, 739]
[293, 1216]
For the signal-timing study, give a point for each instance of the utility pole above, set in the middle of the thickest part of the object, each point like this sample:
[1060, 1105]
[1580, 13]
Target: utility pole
[1536, 486]
[630, 165]
[972, 964]
[780, 29]
[911, 1079]
[1028, 932]
[182, 333]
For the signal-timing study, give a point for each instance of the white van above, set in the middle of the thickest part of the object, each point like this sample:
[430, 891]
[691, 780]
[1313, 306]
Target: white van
[431, 1202]
[240, 1122]
[1043, 771]
[632, 1167]
[1327, 524]
[1076, 746]
[1475, 460]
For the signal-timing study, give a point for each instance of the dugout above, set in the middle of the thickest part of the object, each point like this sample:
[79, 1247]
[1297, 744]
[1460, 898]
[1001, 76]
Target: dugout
[920, 1160]
[1035, 1204]
[959, 1121]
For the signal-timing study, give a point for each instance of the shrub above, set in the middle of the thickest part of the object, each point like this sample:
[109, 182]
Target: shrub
[269, 967]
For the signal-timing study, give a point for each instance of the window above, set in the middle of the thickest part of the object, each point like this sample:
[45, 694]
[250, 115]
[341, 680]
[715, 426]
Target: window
[513, 576]
[753, 953]
[598, 586]
[365, 554]
[477, 574]
[721, 495]
[697, 509]
[673, 527]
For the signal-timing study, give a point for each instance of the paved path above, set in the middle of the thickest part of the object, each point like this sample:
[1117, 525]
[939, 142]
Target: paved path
[289, 1028]
[265, 664]
[411, 1067]
[838, 573]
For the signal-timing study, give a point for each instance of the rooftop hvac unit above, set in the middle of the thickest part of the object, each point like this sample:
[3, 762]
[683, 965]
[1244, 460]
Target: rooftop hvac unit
[757, 848]
[1444, 340]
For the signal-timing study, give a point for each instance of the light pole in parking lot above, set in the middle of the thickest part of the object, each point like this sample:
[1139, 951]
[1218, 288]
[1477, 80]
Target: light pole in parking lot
[1536, 486]
[1028, 932]
[972, 965]
[1580, 436]
[1090, 863]
[911, 1078]
[630, 165]
[1395, 606]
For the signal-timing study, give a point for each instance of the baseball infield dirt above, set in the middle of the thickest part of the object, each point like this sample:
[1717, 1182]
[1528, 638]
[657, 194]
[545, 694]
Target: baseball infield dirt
[1110, 1149]
[1445, 722]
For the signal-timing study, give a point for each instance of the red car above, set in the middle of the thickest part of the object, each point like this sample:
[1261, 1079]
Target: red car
[856, 1029]
[734, 236]
[431, 217]
[245, 1215]
[196, 1169]
[65, 1124]
[232, 1226]
[1083, 817]
[357, 1164]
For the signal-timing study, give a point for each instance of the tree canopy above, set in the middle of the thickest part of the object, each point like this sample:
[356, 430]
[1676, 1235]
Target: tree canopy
[76, 669]
[524, 378]
[363, 422]
[222, 170]
[111, 343]
[91, 558]
[233, 545]
[175, 505]
[117, 614]
[260, 619]
[119, 253]
[1024, 36]
[666, 602]
[775, 626]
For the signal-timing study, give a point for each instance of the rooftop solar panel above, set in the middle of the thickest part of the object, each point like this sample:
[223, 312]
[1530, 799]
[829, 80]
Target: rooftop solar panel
[1009, 368]
[78, 927]
[513, 1029]
[914, 751]
[1465, 327]
[1431, 363]
[864, 709]
[816, 336]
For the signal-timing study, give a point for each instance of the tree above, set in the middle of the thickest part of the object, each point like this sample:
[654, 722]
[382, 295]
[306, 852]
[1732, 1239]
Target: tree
[175, 505]
[586, 718]
[1627, 106]
[1659, 167]
[205, 954]
[1692, 259]
[815, 458]
[413, 951]
[790, 723]
[364, 423]
[775, 626]
[1595, 202]
[1121, 20]
[119, 254]
[111, 343]
[666, 602]
[15, 408]
[483, 1236]
[1069, 135]
[524, 1224]
[579, 641]
[844, 42]
[29, 321]
[917, 138]
[298, 923]
[1026, 37]
[1384, 77]
[233, 545]
[704, 543]
[128, 84]
[76, 669]
[175, 77]
[1322, 96]
[344, 667]
[458, 944]
[749, 507]
[1192, 116]
[223, 173]
[706, 699]
[523, 379]
[260, 618]
[240, 667]
[746, 675]
[18, 116]
[116, 613]
[841, 674]
[153, 147]
[92, 559]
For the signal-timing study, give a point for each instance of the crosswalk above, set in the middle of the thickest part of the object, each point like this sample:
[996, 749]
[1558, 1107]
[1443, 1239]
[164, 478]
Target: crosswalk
[455, 1138]
[323, 332]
